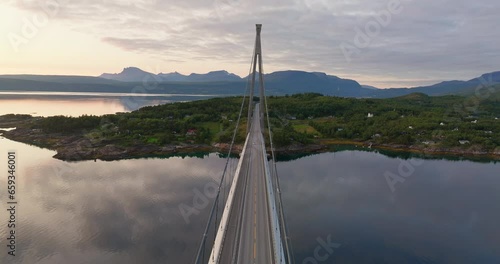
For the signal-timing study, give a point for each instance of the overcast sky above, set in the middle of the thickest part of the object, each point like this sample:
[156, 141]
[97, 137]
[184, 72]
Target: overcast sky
[411, 43]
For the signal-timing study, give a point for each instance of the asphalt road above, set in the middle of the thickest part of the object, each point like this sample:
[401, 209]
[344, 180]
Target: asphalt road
[248, 238]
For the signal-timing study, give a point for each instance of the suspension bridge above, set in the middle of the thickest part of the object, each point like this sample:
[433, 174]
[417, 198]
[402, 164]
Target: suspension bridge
[252, 228]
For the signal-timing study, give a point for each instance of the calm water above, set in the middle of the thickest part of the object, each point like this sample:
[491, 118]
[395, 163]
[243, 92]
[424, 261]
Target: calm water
[76, 104]
[128, 211]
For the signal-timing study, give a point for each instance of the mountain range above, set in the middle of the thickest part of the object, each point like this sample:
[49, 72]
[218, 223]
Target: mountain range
[133, 74]
[448, 87]
[225, 83]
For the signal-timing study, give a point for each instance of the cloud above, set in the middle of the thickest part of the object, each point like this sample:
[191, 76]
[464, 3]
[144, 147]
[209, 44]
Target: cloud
[428, 40]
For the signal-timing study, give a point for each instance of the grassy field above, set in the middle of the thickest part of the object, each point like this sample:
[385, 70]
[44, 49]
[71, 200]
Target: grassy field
[304, 127]
[214, 127]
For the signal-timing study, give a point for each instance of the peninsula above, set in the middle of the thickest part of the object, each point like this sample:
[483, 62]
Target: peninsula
[300, 123]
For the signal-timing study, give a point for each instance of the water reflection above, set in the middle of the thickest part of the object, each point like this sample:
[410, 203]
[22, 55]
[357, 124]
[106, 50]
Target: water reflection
[128, 211]
[389, 153]
[50, 107]
[108, 212]
[73, 104]
[445, 212]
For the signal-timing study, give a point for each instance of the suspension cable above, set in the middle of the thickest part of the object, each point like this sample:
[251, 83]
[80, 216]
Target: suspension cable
[201, 250]
[276, 178]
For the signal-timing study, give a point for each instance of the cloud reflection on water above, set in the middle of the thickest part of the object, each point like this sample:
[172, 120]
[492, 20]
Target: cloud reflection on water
[127, 211]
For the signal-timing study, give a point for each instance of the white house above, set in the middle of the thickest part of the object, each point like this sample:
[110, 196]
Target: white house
[370, 115]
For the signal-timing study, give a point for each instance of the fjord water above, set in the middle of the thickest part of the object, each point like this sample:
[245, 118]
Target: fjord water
[52, 107]
[128, 211]
[77, 104]
[445, 211]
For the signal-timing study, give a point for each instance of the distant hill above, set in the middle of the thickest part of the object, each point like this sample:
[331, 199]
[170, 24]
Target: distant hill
[58, 78]
[278, 83]
[225, 83]
[292, 82]
[486, 80]
[173, 77]
[133, 74]
[443, 88]
[130, 74]
[214, 76]
[63, 84]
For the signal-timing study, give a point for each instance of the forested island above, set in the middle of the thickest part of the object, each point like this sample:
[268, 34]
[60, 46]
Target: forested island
[300, 123]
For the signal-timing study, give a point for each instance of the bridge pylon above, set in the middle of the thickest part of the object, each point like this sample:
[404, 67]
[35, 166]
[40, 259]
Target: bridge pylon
[252, 227]
[257, 60]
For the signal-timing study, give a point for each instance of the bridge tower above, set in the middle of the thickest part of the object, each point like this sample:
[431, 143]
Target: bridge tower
[252, 228]
[257, 60]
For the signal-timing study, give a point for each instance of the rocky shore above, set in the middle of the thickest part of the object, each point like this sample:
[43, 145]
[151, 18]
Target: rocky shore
[472, 151]
[80, 147]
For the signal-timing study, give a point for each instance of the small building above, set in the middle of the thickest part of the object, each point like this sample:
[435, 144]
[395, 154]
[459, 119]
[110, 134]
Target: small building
[370, 115]
[441, 124]
[191, 132]
[463, 142]
[410, 127]
[474, 122]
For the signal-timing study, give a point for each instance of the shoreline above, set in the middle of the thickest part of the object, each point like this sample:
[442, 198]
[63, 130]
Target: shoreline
[81, 148]
[454, 152]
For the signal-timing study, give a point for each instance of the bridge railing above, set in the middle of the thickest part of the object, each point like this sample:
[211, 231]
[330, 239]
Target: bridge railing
[279, 256]
[221, 232]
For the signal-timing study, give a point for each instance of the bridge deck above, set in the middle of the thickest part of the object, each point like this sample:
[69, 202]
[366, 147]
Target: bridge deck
[248, 237]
